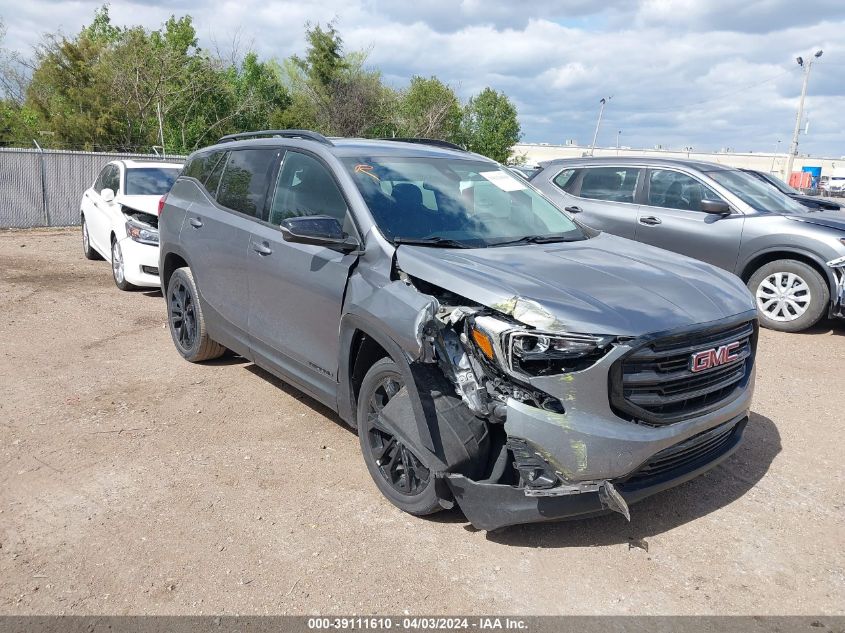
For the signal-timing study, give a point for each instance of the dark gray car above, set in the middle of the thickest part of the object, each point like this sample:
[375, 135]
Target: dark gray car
[791, 257]
[490, 350]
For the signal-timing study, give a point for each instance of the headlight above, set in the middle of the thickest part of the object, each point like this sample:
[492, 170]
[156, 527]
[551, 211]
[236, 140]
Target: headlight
[142, 234]
[523, 352]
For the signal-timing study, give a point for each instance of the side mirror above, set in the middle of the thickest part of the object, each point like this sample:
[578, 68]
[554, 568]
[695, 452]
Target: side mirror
[107, 195]
[716, 207]
[318, 230]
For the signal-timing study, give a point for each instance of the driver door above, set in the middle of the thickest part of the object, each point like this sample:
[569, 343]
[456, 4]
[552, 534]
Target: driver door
[296, 290]
[673, 219]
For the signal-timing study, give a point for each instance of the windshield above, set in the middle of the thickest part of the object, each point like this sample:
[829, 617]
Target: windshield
[758, 195]
[150, 181]
[777, 182]
[456, 202]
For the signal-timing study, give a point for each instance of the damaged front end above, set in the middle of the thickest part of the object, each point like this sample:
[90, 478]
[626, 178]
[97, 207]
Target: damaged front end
[838, 298]
[558, 449]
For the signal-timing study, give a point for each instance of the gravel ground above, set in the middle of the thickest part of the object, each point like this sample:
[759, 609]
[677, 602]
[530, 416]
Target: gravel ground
[132, 482]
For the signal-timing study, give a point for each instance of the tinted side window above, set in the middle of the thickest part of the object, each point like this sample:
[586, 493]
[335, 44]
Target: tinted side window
[214, 178]
[305, 187]
[98, 184]
[201, 166]
[243, 186]
[566, 179]
[616, 184]
[112, 178]
[674, 190]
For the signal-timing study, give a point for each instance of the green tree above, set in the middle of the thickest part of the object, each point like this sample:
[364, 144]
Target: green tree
[489, 125]
[324, 61]
[428, 108]
[333, 92]
[70, 92]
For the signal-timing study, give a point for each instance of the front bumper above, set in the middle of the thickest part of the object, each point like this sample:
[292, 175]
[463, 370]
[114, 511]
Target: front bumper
[140, 263]
[837, 307]
[595, 453]
[492, 506]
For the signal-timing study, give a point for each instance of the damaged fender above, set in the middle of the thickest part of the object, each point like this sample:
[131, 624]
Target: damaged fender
[838, 298]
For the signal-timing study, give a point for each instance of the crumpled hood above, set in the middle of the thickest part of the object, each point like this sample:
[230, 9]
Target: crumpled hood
[147, 204]
[830, 219]
[604, 285]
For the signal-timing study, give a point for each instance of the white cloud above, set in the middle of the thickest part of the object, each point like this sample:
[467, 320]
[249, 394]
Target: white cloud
[681, 72]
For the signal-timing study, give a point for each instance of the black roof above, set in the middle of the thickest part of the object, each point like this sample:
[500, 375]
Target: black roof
[414, 147]
[651, 161]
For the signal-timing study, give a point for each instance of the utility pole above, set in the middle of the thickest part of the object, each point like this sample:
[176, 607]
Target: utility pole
[160, 130]
[793, 148]
[602, 101]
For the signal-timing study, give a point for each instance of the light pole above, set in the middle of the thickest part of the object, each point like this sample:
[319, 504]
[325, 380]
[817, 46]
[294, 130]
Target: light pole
[602, 101]
[777, 149]
[793, 148]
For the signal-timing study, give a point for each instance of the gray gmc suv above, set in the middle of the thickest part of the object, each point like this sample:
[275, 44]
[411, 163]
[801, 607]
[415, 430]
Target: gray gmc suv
[791, 257]
[490, 350]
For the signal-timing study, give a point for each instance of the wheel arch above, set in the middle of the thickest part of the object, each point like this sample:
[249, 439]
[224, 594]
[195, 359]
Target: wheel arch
[169, 263]
[766, 257]
[362, 344]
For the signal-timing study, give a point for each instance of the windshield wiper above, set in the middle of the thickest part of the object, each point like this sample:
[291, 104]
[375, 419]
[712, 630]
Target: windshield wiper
[537, 239]
[443, 242]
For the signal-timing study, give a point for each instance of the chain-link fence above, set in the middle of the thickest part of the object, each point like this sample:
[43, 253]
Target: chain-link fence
[44, 188]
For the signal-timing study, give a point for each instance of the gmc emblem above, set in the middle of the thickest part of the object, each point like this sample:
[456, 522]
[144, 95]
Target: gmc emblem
[711, 358]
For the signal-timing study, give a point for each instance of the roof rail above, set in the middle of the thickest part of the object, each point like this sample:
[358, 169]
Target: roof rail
[306, 134]
[426, 141]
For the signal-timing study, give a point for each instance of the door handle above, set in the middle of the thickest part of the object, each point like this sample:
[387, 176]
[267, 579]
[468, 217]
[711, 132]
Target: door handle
[573, 209]
[195, 222]
[650, 220]
[262, 249]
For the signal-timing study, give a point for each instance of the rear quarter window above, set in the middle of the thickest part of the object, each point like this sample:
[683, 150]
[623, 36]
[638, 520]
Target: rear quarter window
[201, 166]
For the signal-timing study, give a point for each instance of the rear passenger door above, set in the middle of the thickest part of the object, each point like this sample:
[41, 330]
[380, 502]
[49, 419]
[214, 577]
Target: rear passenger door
[216, 235]
[605, 198]
[296, 290]
[673, 219]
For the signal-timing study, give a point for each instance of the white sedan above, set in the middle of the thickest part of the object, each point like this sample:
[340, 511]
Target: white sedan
[120, 219]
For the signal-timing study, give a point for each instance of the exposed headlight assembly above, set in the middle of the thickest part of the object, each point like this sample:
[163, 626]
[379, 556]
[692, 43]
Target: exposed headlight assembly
[141, 233]
[525, 353]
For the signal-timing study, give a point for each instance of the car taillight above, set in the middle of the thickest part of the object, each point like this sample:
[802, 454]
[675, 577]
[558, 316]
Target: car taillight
[161, 202]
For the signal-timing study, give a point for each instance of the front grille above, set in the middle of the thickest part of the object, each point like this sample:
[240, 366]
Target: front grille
[654, 383]
[693, 453]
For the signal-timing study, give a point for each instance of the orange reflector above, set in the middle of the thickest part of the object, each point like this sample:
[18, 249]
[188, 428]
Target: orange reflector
[484, 343]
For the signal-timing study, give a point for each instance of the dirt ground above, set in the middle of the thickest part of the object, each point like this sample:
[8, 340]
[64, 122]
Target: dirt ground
[132, 482]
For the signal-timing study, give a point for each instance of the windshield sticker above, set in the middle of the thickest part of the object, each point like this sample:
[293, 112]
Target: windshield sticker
[502, 180]
[368, 170]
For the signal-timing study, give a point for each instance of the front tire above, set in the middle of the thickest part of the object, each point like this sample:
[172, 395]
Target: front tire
[397, 471]
[791, 296]
[118, 268]
[186, 320]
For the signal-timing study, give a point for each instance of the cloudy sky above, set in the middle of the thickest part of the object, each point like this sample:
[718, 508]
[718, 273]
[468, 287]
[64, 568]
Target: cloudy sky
[701, 73]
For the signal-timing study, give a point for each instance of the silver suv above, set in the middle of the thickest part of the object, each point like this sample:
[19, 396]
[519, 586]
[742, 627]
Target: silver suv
[490, 350]
[791, 257]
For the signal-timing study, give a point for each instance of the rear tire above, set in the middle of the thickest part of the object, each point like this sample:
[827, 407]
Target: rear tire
[186, 320]
[89, 252]
[791, 296]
